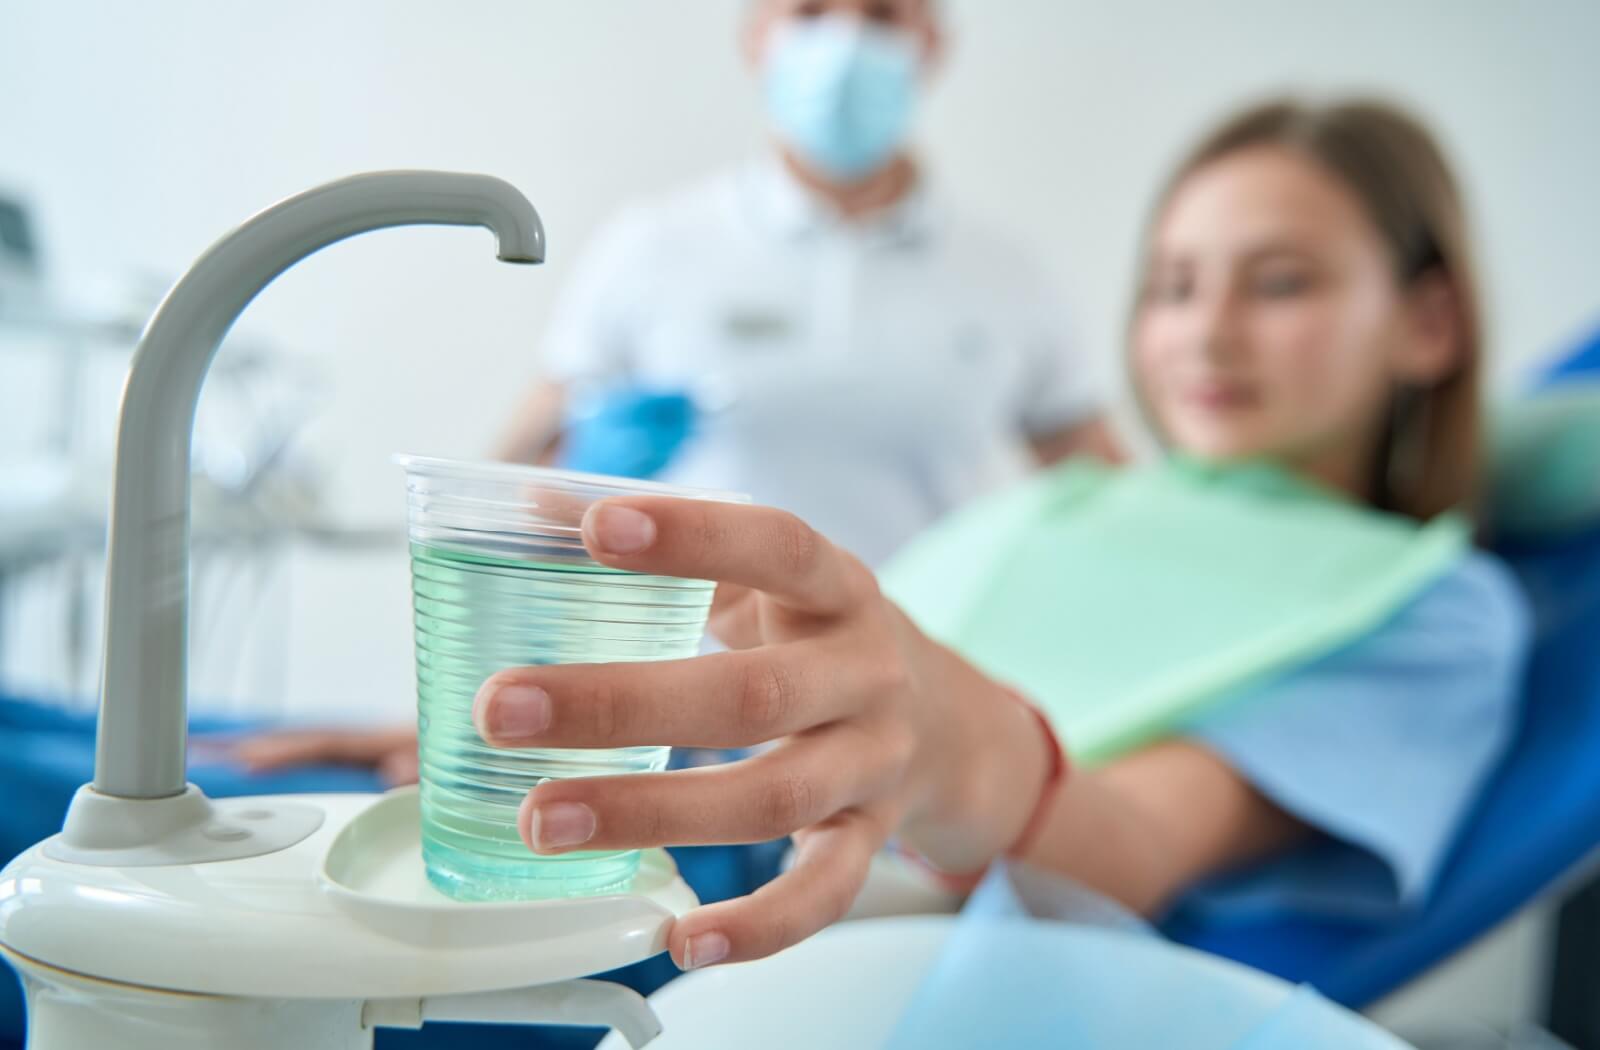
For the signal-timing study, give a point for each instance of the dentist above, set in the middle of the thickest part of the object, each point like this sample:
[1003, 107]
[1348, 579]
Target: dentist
[858, 351]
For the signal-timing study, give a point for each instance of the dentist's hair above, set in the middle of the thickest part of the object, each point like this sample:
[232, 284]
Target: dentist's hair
[1428, 455]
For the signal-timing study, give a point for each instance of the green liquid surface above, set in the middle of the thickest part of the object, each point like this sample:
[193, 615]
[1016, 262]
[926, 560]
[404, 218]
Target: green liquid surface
[477, 613]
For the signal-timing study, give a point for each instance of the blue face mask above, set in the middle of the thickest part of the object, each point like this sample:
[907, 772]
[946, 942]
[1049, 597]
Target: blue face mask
[840, 94]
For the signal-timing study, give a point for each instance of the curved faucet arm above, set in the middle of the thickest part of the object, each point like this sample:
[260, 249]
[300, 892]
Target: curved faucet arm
[143, 709]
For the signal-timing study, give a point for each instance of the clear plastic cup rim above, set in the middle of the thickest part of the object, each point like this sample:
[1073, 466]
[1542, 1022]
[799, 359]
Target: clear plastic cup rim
[598, 486]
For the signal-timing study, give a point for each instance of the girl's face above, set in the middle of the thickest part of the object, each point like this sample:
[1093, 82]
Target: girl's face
[1271, 323]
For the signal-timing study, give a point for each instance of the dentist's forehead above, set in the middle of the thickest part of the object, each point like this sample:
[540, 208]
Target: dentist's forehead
[918, 17]
[904, 11]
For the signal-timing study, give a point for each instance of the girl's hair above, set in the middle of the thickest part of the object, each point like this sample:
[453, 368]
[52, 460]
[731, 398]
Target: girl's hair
[1427, 458]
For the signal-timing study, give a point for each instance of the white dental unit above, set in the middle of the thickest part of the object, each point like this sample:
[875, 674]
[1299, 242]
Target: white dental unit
[159, 919]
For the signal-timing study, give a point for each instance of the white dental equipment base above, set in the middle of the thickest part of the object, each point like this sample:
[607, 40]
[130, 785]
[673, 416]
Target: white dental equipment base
[314, 945]
[161, 920]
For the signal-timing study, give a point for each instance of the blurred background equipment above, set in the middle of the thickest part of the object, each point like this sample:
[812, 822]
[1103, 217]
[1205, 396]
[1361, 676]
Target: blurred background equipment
[20, 279]
[255, 492]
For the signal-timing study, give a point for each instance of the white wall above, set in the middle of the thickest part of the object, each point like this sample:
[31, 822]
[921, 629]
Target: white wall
[143, 130]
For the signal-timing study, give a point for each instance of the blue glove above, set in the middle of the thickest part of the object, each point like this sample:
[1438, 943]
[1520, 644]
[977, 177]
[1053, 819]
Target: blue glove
[628, 431]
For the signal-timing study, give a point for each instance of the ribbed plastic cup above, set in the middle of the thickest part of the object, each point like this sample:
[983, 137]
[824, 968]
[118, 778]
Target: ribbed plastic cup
[500, 578]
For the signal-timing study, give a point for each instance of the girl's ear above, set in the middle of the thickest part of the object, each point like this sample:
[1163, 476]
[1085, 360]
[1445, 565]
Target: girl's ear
[1433, 342]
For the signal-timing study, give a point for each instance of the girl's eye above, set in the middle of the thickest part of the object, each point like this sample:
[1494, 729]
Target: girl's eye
[1281, 284]
[1171, 288]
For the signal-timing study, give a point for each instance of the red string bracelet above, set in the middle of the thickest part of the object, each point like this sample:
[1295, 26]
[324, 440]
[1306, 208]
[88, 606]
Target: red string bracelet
[1055, 774]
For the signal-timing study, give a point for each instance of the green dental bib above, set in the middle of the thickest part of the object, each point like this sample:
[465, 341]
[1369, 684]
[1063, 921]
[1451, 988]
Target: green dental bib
[1124, 602]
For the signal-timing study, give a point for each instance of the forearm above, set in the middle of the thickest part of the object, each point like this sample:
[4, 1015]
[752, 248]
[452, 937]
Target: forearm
[534, 433]
[1139, 830]
[1093, 835]
[1144, 828]
[975, 800]
[529, 442]
[1087, 829]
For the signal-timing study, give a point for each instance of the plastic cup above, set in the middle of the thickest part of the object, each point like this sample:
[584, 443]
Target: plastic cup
[500, 578]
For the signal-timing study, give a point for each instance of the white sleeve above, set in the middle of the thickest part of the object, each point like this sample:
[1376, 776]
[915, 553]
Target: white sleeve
[1061, 388]
[589, 336]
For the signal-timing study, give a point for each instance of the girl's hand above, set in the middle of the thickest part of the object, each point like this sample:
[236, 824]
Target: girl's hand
[879, 729]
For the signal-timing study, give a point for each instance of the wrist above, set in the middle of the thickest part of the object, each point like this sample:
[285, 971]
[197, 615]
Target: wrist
[1055, 776]
[1002, 764]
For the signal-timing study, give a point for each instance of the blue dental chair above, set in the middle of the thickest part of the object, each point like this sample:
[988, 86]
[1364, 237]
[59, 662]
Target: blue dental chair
[1537, 829]
[1584, 362]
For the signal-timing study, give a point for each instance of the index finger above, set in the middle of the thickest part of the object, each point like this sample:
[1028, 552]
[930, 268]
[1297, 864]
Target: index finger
[756, 547]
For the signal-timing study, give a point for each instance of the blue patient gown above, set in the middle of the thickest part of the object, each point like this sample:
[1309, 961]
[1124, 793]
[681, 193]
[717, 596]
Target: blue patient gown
[1380, 748]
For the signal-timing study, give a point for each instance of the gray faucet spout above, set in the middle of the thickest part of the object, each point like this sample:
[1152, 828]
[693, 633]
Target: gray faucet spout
[143, 705]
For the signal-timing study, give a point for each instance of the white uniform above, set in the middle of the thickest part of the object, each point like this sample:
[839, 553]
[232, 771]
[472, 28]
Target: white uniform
[867, 376]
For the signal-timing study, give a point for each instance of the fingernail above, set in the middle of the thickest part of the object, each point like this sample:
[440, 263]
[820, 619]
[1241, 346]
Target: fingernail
[561, 824]
[621, 530]
[704, 949]
[508, 712]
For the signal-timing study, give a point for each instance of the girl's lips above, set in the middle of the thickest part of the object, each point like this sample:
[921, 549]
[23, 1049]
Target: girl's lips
[1221, 397]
